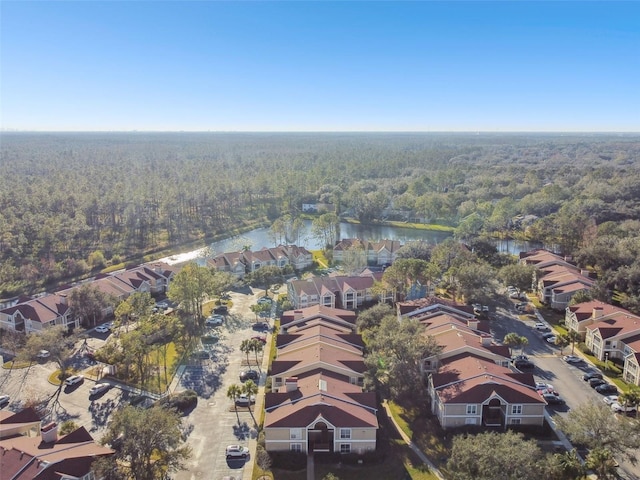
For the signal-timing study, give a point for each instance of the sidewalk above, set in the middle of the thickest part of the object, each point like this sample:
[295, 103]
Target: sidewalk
[412, 445]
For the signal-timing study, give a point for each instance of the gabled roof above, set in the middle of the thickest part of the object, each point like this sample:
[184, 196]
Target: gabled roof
[317, 355]
[305, 317]
[616, 325]
[584, 311]
[429, 304]
[319, 333]
[44, 309]
[471, 379]
[455, 339]
[79, 444]
[340, 403]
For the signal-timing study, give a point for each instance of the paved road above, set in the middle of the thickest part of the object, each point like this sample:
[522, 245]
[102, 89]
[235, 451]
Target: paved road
[550, 368]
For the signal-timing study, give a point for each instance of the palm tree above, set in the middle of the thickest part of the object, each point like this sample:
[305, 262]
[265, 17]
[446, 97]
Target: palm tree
[516, 341]
[573, 338]
[233, 392]
[630, 398]
[562, 340]
[567, 466]
[256, 347]
[246, 348]
[250, 389]
[511, 340]
[602, 462]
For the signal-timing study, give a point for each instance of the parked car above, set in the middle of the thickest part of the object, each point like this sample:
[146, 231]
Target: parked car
[162, 305]
[262, 300]
[4, 400]
[244, 400]
[572, 359]
[551, 339]
[201, 354]
[102, 329]
[541, 327]
[523, 364]
[594, 382]
[249, 375]
[548, 335]
[99, 388]
[221, 310]
[589, 375]
[552, 399]
[544, 386]
[237, 451]
[73, 379]
[43, 354]
[214, 321]
[609, 399]
[260, 326]
[606, 389]
[260, 338]
[618, 408]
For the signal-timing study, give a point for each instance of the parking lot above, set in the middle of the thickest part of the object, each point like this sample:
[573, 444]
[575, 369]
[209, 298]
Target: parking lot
[211, 426]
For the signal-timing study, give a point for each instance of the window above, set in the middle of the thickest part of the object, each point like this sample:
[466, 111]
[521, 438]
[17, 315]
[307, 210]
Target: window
[516, 409]
[515, 421]
[345, 433]
[469, 421]
[345, 448]
[296, 447]
[295, 433]
[472, 409]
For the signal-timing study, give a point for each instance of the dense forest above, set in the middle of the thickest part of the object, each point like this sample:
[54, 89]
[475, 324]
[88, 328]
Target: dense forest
[71, 203]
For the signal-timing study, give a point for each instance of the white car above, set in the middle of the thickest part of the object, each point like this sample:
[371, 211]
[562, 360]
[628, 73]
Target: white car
[73, 379]
[237, 451]
[244, 400]
[551, 340]
[43, 354]
[214, 321]
[102, 329]
[616, 407]
[541, 327]
[544, 386]
[99, 388]
[610, 399]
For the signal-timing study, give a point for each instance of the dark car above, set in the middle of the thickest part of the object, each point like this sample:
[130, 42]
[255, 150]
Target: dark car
[249, 375]
[589, 375]
[221, 310]
[552, 399]
[201, 354]
[606, 389]
[260, 326]
[523, 364]
[594, 382]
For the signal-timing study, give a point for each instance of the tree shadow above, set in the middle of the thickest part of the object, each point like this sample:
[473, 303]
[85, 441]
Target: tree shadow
[100, 413]
[242, 431]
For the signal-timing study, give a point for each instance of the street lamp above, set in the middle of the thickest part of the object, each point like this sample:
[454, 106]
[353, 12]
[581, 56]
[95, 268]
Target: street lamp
[606, 361]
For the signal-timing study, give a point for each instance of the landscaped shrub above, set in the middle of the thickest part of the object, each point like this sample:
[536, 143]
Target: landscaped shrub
[584, 349]
[287, 460]
[183, 401]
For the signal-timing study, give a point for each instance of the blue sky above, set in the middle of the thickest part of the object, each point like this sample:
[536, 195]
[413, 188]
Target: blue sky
[320, 66]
